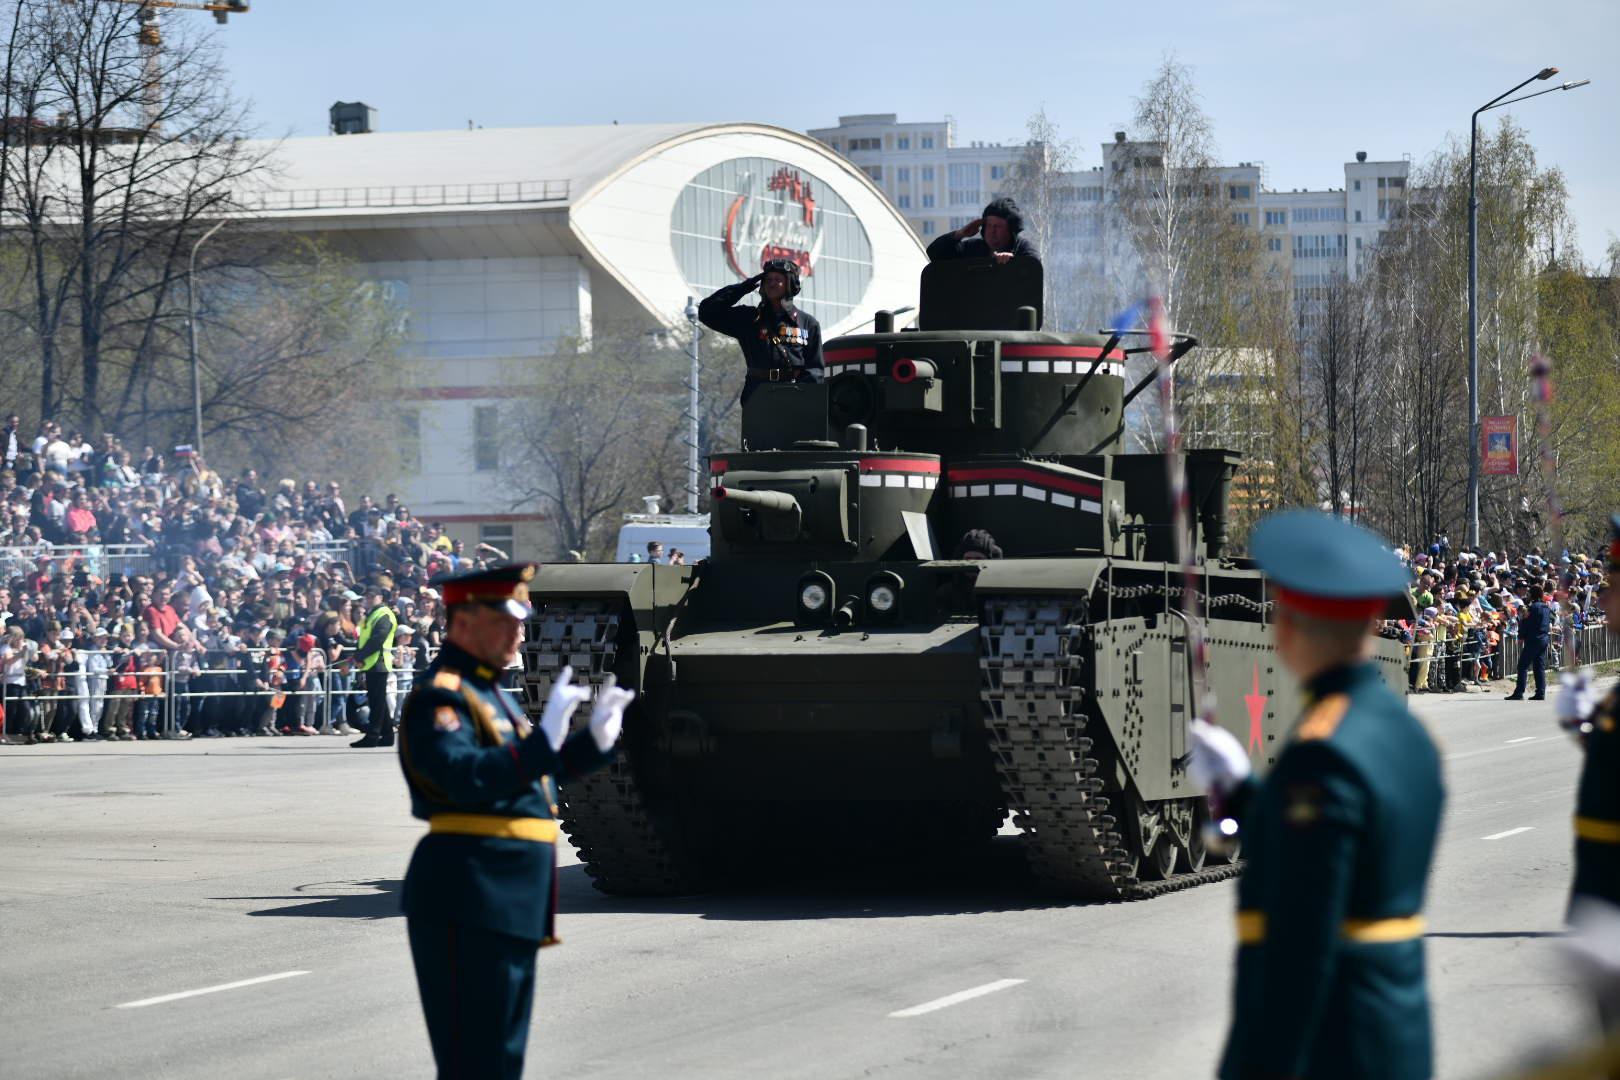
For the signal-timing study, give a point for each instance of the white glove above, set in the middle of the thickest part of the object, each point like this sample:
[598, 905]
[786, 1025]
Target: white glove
[1218, 762]
[1576, 701]
[607, 715]
[560, 706]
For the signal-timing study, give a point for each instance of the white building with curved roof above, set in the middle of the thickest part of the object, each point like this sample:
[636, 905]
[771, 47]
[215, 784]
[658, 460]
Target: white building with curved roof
[499, 243]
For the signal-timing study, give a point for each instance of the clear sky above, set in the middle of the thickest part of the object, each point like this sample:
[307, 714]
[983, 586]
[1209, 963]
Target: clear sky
[1300, 85]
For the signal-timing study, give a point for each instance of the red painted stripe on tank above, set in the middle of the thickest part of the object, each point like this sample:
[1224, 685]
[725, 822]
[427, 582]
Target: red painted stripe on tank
[1029, 476]
[1060, 352]
[906, 465]
[718, 465]
[848, 356]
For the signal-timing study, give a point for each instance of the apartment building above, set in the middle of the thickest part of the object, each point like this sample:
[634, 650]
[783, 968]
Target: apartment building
[938, 185]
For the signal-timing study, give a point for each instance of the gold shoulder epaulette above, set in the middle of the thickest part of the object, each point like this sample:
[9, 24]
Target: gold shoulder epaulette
[445, 679]
[1323, 718]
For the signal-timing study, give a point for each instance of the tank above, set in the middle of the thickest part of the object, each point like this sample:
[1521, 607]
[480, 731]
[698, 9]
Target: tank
[840, 669]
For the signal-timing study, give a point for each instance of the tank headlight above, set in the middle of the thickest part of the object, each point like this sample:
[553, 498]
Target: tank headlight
[883, 596]
[814, 597]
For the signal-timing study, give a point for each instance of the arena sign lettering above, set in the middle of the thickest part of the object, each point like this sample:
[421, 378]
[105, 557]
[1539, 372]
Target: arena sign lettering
[735, 215]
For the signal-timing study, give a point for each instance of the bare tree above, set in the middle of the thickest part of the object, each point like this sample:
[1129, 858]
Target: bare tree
[115, 160]
[592, 431]
[1171, 234]
[1340, 355]
[1041, 182]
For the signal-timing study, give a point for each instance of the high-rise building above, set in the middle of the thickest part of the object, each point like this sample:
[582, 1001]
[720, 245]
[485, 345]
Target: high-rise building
[938, 185]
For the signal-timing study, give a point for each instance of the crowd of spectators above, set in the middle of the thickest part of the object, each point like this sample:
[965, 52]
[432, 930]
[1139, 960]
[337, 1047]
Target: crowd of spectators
[141, 593]
[1469, 604]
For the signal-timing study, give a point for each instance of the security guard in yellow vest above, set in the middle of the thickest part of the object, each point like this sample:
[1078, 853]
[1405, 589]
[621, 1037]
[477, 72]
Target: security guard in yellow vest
[374, 659]
[480, 896]
[1339, 837]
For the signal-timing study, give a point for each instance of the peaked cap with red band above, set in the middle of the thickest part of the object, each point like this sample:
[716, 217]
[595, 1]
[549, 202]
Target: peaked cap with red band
[1325, 566]
[505, 587]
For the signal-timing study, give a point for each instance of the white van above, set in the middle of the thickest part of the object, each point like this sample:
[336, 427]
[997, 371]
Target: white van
[688, 533]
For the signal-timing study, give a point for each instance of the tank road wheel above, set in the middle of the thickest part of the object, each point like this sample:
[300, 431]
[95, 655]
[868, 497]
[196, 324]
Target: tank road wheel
[1156, 842]
[1229, 852]
[1196, 849]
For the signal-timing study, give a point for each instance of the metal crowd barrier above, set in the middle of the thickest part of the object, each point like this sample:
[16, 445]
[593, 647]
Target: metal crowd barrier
[1443, 666]
[98, 559]
[177, 696]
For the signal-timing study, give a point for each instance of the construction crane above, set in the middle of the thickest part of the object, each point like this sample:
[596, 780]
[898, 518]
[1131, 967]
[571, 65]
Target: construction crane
[151, 42]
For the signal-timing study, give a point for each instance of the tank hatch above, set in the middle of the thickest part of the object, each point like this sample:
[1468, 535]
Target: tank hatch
[981, 294]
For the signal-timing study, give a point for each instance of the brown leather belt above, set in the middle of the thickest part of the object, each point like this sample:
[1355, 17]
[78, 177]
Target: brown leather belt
[775, 374]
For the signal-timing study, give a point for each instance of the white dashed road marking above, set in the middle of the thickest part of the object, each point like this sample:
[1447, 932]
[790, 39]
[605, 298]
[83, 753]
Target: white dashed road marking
[1509, 832]
[955, 999]
[141, 1004]
[1522, 738]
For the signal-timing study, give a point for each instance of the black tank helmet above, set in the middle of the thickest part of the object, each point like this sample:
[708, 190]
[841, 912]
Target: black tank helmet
[783, 266]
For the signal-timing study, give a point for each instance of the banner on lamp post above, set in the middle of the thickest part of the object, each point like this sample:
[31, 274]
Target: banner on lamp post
[1499, 445]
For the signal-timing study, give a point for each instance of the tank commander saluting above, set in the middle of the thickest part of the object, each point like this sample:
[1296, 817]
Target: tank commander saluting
[998, 233]
[780, 342]
[481, 893]
[1339, 836]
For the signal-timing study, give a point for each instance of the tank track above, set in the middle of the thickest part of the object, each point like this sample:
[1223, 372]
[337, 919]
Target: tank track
[604, 813]
[1032, 684]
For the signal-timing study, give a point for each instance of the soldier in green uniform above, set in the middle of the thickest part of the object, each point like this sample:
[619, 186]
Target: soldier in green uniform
[1596, 724]
[1339, 836]
[480, 896]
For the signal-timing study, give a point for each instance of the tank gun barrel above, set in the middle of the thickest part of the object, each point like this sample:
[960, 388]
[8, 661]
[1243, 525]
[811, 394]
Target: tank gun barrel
[774, 502]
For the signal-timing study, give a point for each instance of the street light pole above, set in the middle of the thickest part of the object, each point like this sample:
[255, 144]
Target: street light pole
[692, 475]
[191, 333]
[1473, 283]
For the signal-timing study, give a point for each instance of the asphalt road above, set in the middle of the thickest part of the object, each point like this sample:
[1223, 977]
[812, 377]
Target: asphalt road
[133, 872]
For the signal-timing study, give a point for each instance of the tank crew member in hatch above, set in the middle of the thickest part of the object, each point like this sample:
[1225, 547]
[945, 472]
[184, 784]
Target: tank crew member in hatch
[998, 233]
[780, 342]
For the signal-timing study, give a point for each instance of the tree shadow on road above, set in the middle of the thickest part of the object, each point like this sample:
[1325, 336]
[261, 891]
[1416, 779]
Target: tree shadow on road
[377, 899]
[821, 884]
